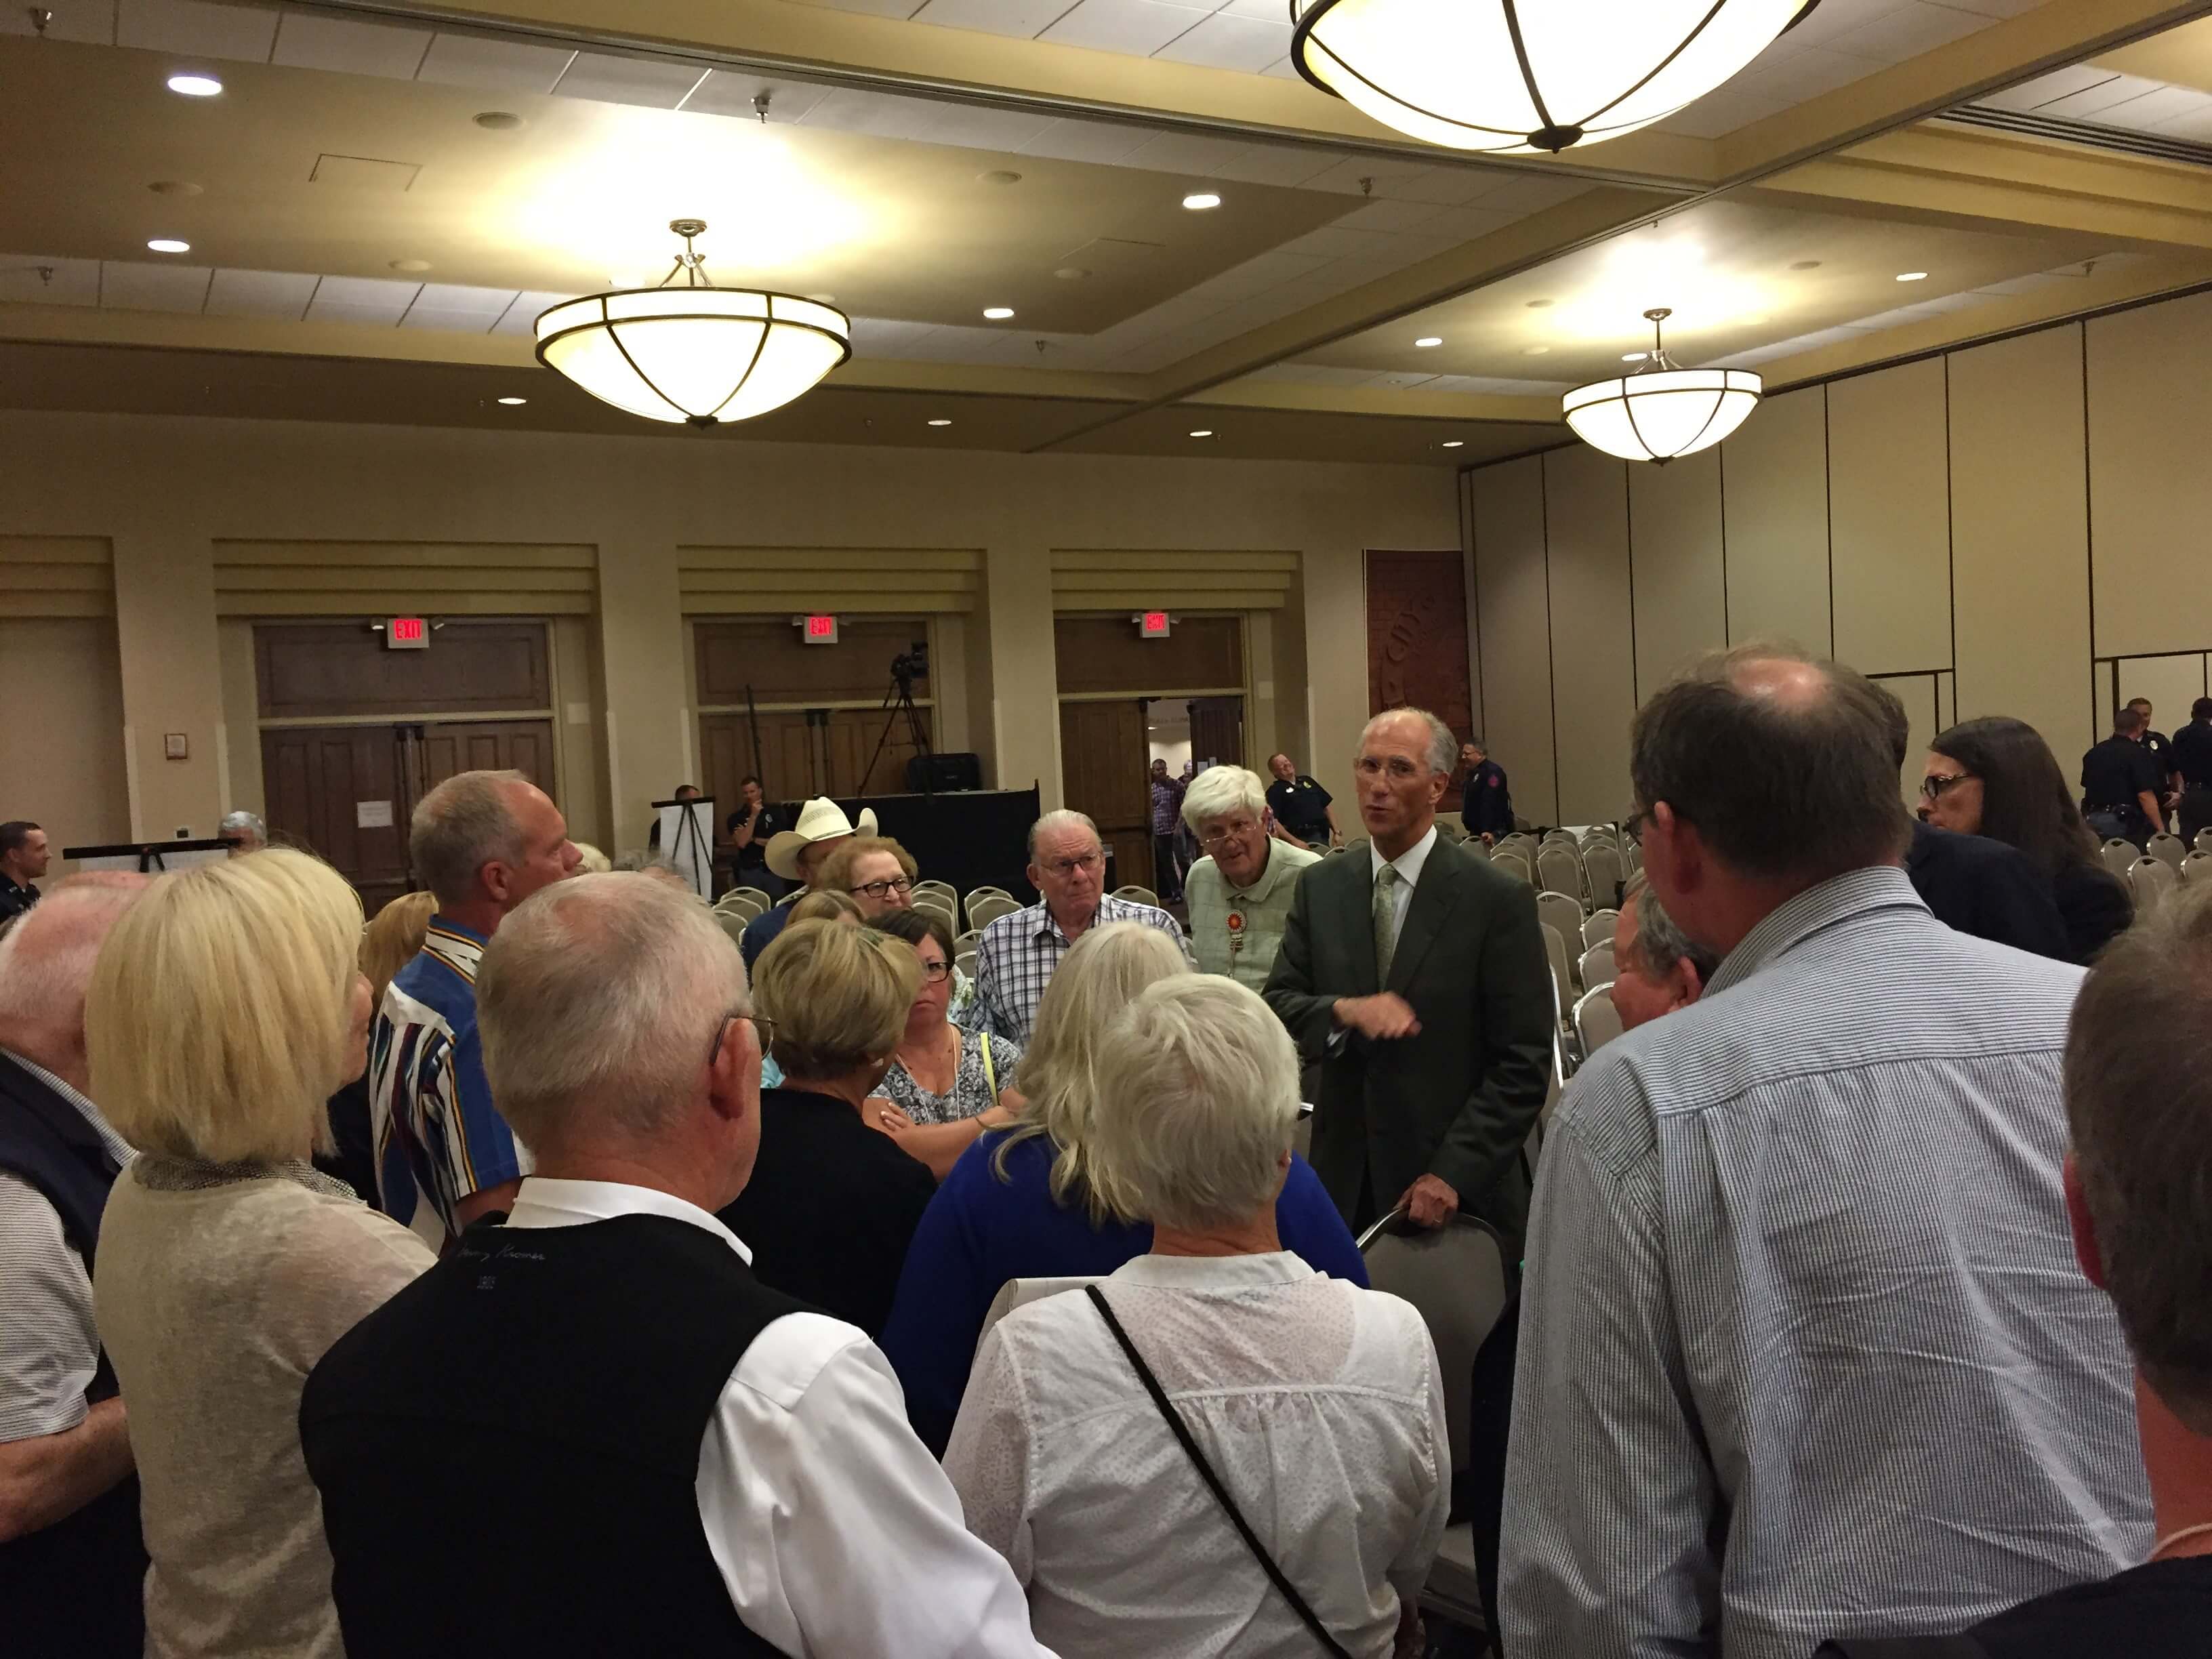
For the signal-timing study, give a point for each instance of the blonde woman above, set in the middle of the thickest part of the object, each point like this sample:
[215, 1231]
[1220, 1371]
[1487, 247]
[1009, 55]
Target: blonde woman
[225, 1009]
[832, 1203]
[388, 944]
[1021, 1204]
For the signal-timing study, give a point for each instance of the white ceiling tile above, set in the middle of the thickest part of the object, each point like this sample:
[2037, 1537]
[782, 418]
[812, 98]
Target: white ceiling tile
[732, 92]
[1257, 276]
[1267, 11]
[1282, 70]
[2155, 107]
[1834, 17]
[1994, 8]
[1442, 186]
[1275, 164]
[2196, 125]
[1804, 75]
[884, 115]
[1367, 175]
[642, 81]
[91, 23]
[1908, 32]
[1086, 141]
[1231, 43]
[196, 27]
[1182, 152]
[1139, 27]
[874, 8]
[432, 318]
[310, 41]
[125, 285]
[978, 128]
[469, 60]
[68, 281]
[1722, 111]
[1388, 216]
[1023, 18]
[2090, 102]
[1331, 243]
[522, 313]
[1531, 193]
[1466, 223]
[882, 337]
[361, 300]
[260, 293]
[451, 306]
[2042, 89]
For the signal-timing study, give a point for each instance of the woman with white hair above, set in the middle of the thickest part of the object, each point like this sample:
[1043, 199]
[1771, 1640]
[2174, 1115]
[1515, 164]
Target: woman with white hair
[225, 1009]
[1217, 1450]
[1021, 1203]
[1240, 892]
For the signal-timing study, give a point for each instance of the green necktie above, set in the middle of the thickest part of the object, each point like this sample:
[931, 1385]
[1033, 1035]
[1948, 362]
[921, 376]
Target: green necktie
[1386, 915]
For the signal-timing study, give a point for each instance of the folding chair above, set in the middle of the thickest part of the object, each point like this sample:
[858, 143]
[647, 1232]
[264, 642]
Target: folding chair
[1513, 864]
[2119, 856]
[941, 907]
[1597, 1022]
[2152, 881]
[2196, 868]
[1602, 869]
[1136, 895]
[1564, 914]
[2172, 849]
[1595, 969]
[986, 909]
[1598, 925]
[1559, 869]
[1555, 949]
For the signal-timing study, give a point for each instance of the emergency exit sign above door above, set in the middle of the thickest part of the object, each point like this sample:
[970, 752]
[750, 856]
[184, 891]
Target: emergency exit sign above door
[406, 633]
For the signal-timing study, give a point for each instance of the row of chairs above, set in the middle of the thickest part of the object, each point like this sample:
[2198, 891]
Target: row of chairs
[2120, 856]
[1591, 872]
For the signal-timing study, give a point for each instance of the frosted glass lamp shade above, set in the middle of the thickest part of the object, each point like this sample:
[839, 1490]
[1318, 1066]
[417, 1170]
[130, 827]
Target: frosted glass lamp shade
[1518, 76]
[1667, 412]
[701, 355]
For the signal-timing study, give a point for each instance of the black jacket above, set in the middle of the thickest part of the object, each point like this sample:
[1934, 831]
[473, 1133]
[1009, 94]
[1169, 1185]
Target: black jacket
[1986, 888]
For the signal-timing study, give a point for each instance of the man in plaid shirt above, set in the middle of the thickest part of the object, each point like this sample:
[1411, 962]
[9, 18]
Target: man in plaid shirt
[1015, 958]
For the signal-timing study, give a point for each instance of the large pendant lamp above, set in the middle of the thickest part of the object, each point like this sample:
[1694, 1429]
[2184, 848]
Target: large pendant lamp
[694, 353]
[1514, 76]
[1662, 411]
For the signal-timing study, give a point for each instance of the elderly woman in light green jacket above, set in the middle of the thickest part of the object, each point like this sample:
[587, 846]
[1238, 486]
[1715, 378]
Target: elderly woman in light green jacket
[1239, 894]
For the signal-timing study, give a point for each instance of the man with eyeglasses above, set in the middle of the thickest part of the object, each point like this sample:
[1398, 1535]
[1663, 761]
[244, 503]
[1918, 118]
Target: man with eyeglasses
[1016, 957]
[1240, 892]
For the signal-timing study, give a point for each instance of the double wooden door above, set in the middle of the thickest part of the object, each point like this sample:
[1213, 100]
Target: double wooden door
[805, 752]
[347, 791]
[1105, 765]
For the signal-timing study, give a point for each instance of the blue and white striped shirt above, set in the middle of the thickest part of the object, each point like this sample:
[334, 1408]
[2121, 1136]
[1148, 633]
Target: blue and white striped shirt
[1804, 1349]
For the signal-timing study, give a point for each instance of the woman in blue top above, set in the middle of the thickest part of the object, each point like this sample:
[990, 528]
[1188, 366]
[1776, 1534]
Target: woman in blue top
[1017, 1205]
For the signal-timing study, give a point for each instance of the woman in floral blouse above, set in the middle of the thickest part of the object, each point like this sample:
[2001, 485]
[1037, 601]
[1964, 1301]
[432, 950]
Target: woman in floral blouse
[948, 1084]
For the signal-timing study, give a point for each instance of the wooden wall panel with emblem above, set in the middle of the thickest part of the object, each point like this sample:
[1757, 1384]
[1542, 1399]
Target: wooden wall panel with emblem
[1417, 640]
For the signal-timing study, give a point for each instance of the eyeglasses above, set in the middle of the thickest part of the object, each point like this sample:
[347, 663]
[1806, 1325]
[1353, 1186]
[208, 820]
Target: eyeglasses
[878, 889]
[1065, 868]
[1228, 832]
[936, 973]
[763, 1026]
[1935, 784]
[1637, 823]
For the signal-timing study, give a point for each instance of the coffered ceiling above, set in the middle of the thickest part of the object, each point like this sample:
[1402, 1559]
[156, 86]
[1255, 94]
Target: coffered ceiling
[385, 195]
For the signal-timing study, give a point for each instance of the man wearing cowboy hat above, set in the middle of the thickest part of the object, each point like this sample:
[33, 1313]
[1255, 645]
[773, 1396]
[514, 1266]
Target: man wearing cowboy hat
[798, 854]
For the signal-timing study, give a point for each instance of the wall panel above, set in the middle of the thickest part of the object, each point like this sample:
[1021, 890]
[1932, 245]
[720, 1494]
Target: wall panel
[2172, 683]
[1889, 517]
[1774, 497]
[2019, 535]
[1679, 563]
[61, 754]
[1593, 631]
[1512, 598]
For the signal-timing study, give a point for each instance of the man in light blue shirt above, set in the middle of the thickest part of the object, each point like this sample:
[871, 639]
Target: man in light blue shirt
[1804, 1349]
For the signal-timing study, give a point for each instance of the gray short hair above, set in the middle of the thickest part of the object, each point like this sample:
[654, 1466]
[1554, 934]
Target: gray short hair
[1197, 1092]
[462, 825]
[602, 989]
[240, 819]
[1063, 818]
[1444, 748]
[1659, 943]
[46, 957]
[1220, 790]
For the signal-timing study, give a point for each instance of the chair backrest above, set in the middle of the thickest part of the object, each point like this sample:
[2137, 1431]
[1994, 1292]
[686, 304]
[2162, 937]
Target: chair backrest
[1559, 869]
[757, 895]
[1020, 1292]
[975, 895]
[734, 923]
[942, 891]
[1561, 911]
[1597, 1022]
[1598, 927]
[2118, 856]
[741, 898]
[969, 940]
[1631, 860]
[1523, 842]
[983, 912]
[1137, 894]
[1555, 948]
[2151, 880]
[1596, 968]
[1512, 862]
[2204, 843]
[1457, 1277]
[2171, 849]
[2196, 867]
[964, 960]
[941, 907]
[1602, 867]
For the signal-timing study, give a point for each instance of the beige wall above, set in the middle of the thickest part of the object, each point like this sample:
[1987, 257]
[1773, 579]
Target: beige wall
[427, 504]
[1942, 523]
[61, 745]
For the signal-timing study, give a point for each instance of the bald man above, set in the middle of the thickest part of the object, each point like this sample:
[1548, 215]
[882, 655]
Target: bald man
[68, 1501]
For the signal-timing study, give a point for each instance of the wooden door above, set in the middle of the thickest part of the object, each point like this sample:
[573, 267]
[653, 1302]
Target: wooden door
[1104, 764]
[322, 781]
[452, 746]
[1217, 731]
[787, 767]
[851, 739]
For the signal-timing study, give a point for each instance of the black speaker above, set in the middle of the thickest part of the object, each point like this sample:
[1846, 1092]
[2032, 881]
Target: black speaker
[937, 774]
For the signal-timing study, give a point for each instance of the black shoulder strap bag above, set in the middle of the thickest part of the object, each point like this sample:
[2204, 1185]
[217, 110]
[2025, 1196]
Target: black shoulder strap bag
[1329, 1644]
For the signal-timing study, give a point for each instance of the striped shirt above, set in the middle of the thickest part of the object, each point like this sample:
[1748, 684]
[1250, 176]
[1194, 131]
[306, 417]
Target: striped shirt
[1804, 1349]
[437, 1135]
[1015, 960]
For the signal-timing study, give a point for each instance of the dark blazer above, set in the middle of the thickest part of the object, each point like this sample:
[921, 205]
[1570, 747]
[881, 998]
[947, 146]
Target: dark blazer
[1459, 1099]
[1986, 888]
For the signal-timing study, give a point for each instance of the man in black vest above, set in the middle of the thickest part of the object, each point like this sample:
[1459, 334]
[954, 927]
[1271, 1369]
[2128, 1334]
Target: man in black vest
[673, 1458]
[72, 1567]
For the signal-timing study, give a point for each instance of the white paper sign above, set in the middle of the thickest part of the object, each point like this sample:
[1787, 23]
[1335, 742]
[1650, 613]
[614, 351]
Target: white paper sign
[372, 815]
[687, 841]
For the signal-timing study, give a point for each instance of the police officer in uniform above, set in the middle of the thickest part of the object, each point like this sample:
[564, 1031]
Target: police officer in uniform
[2192, 758]
[2122, 790]
[1300, 807]
[1485, 804]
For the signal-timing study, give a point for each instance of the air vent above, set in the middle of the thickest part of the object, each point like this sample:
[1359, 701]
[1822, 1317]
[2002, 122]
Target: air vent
[364, 172]
[2120, 141]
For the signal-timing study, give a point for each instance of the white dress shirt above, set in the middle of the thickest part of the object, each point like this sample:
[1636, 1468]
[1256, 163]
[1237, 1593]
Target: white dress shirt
[835, 1531]
[1316, 1403]
[1409, 864]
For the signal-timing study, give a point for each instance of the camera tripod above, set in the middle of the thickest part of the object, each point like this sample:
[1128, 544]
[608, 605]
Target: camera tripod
[898, 701]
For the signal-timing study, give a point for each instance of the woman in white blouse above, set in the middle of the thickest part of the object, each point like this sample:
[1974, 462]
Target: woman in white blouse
[1316, 1403]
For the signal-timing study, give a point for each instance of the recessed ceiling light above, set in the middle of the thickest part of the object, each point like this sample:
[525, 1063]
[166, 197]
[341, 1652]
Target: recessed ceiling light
[1634, 356]
[1454, 443]
[1534, 351]
[195, 86]
[515, 402]
[1199, 200]
[169, 244]
[1806, 264]
[410, 264]
[1428, 340]
[497, 120]
[1540, 305]
[998, 313]
[1911, 276]
[999, 176]
[940, 420]
[1071, 273]
[175, 187]
[1203, 432]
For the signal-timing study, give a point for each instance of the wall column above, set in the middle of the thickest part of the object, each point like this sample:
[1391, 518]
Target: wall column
[1025, 722]
[165, 628]
[653, 738]
[1335, 584]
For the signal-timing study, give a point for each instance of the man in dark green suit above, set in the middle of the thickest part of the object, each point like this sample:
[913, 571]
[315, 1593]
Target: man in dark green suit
[1427, 992]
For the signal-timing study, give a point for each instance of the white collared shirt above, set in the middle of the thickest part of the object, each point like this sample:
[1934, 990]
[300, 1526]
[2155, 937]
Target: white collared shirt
[1409, 864]
[835, 1530]
[1318, 1404]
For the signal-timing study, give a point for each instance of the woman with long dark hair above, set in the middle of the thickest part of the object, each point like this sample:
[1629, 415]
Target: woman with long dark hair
[1997, 777]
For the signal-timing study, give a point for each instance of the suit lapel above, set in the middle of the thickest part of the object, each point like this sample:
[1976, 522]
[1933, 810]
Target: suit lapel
[1433, 897]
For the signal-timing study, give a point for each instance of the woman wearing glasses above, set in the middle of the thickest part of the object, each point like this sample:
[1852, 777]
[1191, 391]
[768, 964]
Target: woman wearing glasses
[949, 1084]
[1995, 777]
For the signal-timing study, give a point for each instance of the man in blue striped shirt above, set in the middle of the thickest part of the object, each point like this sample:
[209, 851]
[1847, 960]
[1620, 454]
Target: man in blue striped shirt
[1804, 1349]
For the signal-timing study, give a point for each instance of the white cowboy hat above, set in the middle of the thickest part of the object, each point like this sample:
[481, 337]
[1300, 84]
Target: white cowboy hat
[820, 819]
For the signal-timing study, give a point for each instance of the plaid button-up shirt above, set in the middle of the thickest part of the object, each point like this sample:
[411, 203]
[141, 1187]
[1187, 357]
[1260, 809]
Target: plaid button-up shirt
[1015, 959]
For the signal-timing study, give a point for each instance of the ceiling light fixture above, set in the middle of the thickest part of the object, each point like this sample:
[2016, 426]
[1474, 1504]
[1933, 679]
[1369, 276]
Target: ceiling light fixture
[515, 402]
[169, 244]
[998, 313]
[1200, 200]
[1911, 276]
[1662, 411]
[1428, 340]
[195, 86]
[940, 420]
[1203, 432]
[1535, 351]
[1504, 75]
[1453, 443]
[1634, 356]
[697, 353]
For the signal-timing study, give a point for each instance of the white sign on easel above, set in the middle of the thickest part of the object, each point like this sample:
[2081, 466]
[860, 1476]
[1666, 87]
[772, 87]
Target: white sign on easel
[687, 841]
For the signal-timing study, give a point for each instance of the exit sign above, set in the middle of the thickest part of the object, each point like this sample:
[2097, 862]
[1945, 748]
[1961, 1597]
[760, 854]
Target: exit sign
[818, 630]
[1152, 625]
[406, 633]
